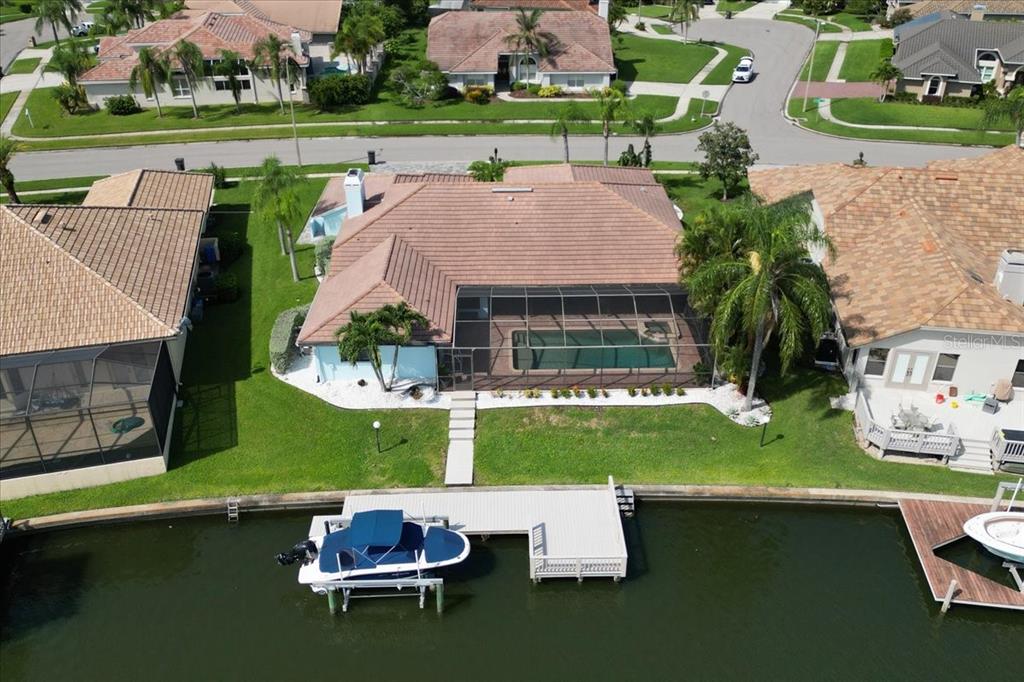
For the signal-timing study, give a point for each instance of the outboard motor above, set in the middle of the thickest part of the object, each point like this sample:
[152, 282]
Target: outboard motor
[304, 551]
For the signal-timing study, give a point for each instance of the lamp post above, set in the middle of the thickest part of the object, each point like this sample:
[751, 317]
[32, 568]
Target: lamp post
[376, 432]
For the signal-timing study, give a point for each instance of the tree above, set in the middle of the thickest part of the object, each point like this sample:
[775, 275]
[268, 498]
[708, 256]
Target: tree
[190, 59]
[133, 12]
[609, 104]
[617, 14]
[8, 148]
[400, 319]
[70, 98]
[56, 12]
[528, 39]
[271, 52]
[1006, 109]
[365, 333]
[276, 201]
[884, 74]
[816, 8]
[684, 12]
[417, 84]
[228, 68]
[772, 287]
[152, 71]
[646, 126]
[491, 170]
[71, 60]
[360, 33]
[727, 155]
[565, 116]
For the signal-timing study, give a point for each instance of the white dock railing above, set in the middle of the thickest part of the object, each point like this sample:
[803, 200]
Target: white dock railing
[944, 445]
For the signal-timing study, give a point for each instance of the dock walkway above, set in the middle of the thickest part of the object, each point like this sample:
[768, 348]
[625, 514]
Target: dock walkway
[934, 524]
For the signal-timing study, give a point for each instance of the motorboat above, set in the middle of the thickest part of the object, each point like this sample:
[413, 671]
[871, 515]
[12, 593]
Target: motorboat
[376, 545]
[1000, 532]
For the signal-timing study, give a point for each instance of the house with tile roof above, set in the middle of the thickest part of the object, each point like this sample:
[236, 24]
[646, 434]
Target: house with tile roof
[213, 33]
[992, 10]
[94, 325]
[928, 290]
[473, 48]
[559, 275]
[943, 54]
[320, 17]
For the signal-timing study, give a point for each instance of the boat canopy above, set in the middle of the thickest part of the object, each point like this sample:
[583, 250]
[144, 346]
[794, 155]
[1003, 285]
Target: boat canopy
[378, 528]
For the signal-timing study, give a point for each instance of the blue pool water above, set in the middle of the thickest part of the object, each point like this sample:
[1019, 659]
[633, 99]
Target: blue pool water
[327, 224]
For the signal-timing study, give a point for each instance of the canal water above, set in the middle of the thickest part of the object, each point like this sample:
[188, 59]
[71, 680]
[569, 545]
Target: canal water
[716, 591]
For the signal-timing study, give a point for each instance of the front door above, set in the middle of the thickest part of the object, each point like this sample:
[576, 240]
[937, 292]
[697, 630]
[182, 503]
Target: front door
[909, 369]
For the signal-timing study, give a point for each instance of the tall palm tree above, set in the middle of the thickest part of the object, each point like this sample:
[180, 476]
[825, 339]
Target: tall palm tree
[71, 60]
[190, 59]
[528, 39]
[277, 201]
[609, 102]
[400, 319]
[56, 12]
[228, 67]
[359, 35]
[271, 53]
[152, 71]
[769, 287]
[8, 148]
[1006, 109]
[362, 337]
[565, 116]
[646, 126]
[685, 12]
[884, 74]
[135, 11]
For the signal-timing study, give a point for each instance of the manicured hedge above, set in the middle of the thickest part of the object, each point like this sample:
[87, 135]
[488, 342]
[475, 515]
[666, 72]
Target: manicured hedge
[282, 338]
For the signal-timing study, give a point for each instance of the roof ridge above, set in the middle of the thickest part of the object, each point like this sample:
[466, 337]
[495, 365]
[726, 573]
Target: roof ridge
[383, 211]
[371, 284]
[593, 54]
[482, 45]
[922, 214]
[856, 195]
[605, 187]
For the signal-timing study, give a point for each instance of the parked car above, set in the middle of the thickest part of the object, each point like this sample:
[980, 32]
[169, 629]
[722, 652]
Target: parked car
[744, 71]
[82, 29]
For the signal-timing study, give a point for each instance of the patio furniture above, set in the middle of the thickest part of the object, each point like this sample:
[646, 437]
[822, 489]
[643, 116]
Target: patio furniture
[1003, 391]
[911, 419]
[990, 406]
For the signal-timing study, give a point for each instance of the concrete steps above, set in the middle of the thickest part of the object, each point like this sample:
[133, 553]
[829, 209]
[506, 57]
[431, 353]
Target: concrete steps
[974, 457]
[461, 433]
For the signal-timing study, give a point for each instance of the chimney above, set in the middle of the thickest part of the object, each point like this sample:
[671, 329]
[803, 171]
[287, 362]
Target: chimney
[978, 12]
[602, 8]
[355, 192]
[1010, 275]
[296, 43]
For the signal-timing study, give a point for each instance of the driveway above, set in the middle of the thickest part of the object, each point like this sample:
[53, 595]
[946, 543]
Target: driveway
[14, 37]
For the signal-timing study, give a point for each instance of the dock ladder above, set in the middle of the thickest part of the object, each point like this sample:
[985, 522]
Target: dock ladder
[626, 500]
[232, 510]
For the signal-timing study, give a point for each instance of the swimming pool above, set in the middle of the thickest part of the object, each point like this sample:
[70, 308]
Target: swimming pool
[583, 349]
[327, 224]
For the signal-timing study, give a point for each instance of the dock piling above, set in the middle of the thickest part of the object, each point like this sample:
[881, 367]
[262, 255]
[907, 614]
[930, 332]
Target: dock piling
[439, 596]
[949, 595]
[331, 603]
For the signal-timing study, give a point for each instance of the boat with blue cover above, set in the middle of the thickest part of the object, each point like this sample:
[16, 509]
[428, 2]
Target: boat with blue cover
[380, 544]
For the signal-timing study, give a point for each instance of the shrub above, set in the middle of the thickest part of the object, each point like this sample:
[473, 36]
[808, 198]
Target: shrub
[121, 105]
[577, 392]
[550, 91]
[231, 247]
[282, 338]
[702, 372]
[566, 393]
[554, 393]
[417, 84]
[339, 90]
[478, 94]
[226, 287]
[71, 98]
[322, 254]
[645, 391]
[533, 88]
[416, 392]
[591, 392]
[619, 86]
[631, 391]
[219, 173]
[604, 393]
[666, 389]
[518, 85]
[25, 8]
[655, 390]
[680, 391]
[641, 26]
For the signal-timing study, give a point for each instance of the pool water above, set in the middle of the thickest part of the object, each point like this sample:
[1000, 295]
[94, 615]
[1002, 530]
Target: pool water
[327, 224]
[582, 349]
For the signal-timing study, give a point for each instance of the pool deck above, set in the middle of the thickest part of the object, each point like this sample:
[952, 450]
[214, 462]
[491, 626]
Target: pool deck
[934, 524]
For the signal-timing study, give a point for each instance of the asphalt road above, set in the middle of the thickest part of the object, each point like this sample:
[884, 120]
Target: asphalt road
[14, 37]
[779, 49]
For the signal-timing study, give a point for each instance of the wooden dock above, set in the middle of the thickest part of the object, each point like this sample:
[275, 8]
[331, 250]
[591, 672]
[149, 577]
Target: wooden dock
[934, 524]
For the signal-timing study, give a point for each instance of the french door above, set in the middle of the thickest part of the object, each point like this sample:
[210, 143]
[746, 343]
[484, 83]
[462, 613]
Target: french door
[909, 369]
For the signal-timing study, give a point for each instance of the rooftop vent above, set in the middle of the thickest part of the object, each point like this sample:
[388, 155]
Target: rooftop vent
[947, 177]
[42, 216]
[511, 190]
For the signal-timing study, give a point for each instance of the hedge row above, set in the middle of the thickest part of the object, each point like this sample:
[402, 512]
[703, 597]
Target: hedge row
[282, 338]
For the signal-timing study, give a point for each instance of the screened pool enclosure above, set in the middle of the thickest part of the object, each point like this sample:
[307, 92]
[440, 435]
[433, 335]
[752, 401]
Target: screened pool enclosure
[84, 407]
[593, 335]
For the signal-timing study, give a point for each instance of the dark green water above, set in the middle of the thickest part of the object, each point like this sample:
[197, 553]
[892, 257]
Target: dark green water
[716, 592]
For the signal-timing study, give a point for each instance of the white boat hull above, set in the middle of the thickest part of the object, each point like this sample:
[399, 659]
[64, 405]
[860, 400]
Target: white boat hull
[1001, 533]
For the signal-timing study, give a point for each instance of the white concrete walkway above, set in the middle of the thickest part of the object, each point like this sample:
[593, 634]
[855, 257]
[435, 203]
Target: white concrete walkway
[847, 36]
[763, 10]
[837, 65]
[458, 468]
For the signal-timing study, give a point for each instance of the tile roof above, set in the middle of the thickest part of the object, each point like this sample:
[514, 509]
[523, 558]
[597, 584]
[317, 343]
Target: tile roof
[153, 189]
[992, 7]
[88, 275]
[917, 247]
[425, 239]
[949, 45]
[547, 5]
[210, 31]
[470, 42]
[316, 16]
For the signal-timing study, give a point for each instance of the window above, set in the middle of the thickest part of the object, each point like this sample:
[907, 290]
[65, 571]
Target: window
[934, 83]
[221, 84]
[1018, 375]
[477, 80]
[944, 367]
[987, 63]
[875, 366]
[575, 82]
[527, 69]
[179, 87]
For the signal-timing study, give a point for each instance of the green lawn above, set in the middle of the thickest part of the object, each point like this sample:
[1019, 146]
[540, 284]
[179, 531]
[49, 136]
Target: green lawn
[7, 100]
[797, 17]
[84, 41]
[722, 74]
[66, 197]
[654, 11]
[850, 21]
[824, 55]
[23, 66]
[863, 57]
[734, 6]
[663, 61]
[11, 11]
[663, 29]
[870, 111]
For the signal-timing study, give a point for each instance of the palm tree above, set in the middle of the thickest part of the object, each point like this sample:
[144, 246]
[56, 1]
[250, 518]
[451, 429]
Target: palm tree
[684, 12]
[646, 126]
[152, 71]
[1009, 108]
[359, 35]
[271, 53]
[564, 117]
[770, 286]
[528, 38]
[228, 67]
[190, 59]
[8, 148]
[362, 337]
[884, 74]
[56, 12]
[135, 11]
[609, 102]
[71, 60]
[277, 201]
[400, 319]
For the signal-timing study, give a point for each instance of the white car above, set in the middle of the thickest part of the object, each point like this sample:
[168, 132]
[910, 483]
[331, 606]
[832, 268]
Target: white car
[82, 29]
[744, 71]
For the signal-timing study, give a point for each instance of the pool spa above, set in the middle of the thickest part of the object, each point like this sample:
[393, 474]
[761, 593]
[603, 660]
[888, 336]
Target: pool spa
[587, 349]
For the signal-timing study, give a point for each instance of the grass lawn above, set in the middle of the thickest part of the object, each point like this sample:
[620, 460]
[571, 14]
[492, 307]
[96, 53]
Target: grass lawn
[663, 61]
[662, 29]
[24, 66]
[850, 21]
[654, 11]
[11, 11]
[863, 57]
[66, 197]
[733, 6]
[824, 55]
[7, 100]
[871, 112]
[797, 17]
[722, 74]
[84, 41]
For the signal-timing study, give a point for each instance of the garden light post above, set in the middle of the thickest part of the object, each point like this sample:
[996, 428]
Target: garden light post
[376, 432]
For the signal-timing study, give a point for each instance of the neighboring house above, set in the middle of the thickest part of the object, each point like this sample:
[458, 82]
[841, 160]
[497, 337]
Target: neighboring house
[504, 5]
[560, 275]
[211, 32]
[928, 285]
[94, 328]
[471, 48]
[946, 55]
[998, 10]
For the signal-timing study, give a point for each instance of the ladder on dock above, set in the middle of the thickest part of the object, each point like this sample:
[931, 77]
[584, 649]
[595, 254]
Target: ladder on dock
[626, 501]
[232, 510]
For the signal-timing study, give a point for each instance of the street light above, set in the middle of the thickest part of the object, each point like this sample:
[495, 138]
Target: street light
[376, 432]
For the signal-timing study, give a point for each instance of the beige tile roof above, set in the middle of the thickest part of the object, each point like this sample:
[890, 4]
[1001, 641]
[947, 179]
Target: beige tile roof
[917, 247]
[992, 7]
[426, 239]
[153, 189]
[470, 42]
[81, 276]
[316, 16]
[547, 5]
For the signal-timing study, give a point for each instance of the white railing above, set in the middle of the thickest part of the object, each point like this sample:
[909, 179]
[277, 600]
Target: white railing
[1007, 450]
[944, 445]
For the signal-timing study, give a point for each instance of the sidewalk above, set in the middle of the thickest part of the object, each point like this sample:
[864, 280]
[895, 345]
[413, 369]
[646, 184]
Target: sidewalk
[848, 35]
[24, 84]
[763, 10]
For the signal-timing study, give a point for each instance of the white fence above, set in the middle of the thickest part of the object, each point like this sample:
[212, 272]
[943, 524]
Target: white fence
[888, 439]
[1007, 451]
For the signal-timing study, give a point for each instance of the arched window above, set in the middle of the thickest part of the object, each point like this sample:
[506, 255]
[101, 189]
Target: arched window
[934, 83]
[987, 62]
[527, 69]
